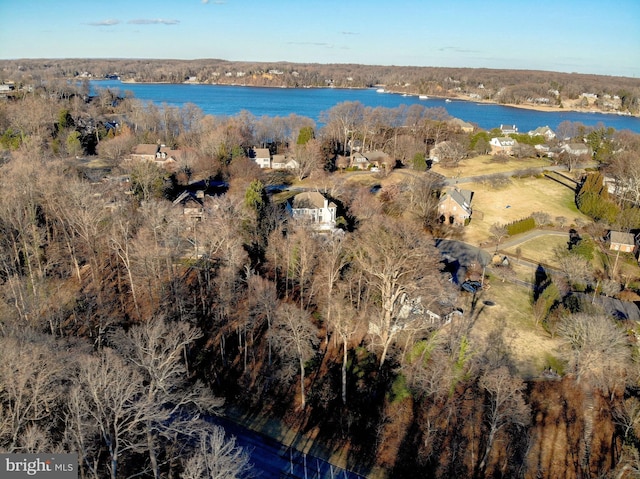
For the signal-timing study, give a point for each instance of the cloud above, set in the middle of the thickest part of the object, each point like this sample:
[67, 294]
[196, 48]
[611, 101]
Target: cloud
[457, 50]
[215, 2]
[317, 44]
[349, 33]
[104, 23]
[153, 21]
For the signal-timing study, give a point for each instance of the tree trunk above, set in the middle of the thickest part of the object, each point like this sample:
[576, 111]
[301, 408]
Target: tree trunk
[483, 464]
[152, 452]
[302, 396]
[344, 371]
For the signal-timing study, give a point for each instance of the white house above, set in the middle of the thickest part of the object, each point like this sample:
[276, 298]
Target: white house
[576, 149]
[283, 162]
[508, 129]
[358, 160]
[545, 131]
[261, 156]
[315, 208]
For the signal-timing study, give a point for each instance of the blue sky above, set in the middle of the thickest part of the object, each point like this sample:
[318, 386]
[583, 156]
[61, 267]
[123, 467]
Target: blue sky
[584, 36]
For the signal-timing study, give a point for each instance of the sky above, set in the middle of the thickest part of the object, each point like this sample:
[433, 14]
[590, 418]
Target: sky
[583, 36]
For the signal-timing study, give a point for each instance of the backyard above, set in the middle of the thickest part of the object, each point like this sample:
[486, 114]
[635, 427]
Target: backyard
[518, 199]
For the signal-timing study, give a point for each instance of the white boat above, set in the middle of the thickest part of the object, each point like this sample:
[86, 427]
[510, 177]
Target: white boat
[380, 90]
[447, 101]
[423, 97]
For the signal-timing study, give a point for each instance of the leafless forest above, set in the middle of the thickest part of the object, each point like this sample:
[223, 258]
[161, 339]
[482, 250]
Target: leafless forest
[124, 322]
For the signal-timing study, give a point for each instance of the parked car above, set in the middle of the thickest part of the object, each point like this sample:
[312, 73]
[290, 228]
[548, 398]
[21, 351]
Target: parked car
[471, 286]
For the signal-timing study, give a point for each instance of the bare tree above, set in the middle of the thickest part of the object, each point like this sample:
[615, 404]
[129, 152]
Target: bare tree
[295, 338]
[308, 158]
[626, 415]
[342, 120]
[344, 322]
[262, 299]
[499, 232]
[159, 350]
[106, 402]
[30, 389]
[423, 195]
[505, 406]
[429, 368]
[304, 261]
[597, 350]
[216, 457]
[400, 264]
[333, 259]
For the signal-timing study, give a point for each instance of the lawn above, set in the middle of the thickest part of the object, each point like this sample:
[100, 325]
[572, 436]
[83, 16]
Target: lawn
[540, 249]
[519, 199]
[508, 325]
[485, 165]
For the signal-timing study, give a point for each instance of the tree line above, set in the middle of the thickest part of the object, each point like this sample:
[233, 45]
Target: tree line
[502, 86]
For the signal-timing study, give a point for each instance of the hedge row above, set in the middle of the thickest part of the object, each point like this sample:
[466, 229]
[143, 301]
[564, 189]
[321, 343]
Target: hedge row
[521, 226]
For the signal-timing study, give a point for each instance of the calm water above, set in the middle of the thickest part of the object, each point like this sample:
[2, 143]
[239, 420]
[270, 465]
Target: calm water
[310, 102]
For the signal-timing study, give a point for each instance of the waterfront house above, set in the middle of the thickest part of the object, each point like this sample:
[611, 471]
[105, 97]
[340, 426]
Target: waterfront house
[454, 206]
[463, 125]
[508, 129]
[544, 131]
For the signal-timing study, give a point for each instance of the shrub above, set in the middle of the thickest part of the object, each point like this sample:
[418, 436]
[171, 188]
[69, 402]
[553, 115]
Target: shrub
[541, 218]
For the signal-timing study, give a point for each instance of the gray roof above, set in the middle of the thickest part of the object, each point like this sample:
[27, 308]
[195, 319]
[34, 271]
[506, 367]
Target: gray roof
[621, 238]
[310, 199]
[462, 197]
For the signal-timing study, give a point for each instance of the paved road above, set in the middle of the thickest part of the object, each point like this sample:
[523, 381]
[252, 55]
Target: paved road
[273, 460]
[529, 236]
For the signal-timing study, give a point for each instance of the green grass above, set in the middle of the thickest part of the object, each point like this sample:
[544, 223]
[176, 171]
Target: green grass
[540, 249]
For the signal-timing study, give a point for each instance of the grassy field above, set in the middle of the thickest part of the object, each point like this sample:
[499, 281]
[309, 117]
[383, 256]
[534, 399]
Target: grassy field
[540, 249]
[517, 200]
[485, 165]
[509, 327]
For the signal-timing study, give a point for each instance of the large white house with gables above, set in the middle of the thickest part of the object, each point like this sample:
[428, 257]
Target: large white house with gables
[313, 207]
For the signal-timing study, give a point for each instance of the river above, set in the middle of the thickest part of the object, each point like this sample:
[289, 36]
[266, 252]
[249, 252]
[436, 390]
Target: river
[311, 102]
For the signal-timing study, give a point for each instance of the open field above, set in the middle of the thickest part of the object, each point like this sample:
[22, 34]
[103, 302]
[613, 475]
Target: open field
[509, 327]
[540, 249]
[519, 199]
[485, 165]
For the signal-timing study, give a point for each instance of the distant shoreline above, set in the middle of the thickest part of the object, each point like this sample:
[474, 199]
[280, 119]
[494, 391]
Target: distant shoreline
[541, 108]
